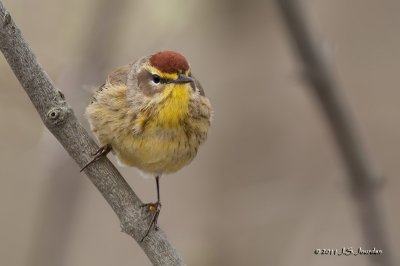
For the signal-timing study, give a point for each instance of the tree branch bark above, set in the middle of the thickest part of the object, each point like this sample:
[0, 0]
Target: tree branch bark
[329, 94]
[59, 118]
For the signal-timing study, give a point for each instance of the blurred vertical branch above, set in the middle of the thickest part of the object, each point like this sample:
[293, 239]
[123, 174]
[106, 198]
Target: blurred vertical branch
[59, 118]
[329, 93]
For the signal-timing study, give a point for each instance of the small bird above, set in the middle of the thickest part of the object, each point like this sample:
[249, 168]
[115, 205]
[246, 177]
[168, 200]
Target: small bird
[153, 115]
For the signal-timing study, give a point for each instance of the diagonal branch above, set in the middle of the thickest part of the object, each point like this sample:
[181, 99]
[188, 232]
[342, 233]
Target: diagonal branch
[329, 94]
[59, 118]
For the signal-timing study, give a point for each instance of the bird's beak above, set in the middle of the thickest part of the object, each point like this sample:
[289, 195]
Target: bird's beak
[182, 79]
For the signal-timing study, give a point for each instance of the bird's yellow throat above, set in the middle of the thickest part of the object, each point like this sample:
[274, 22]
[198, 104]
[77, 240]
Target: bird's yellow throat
[174, 107]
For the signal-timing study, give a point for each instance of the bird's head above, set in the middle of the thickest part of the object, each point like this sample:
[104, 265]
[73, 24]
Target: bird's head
[163, 73]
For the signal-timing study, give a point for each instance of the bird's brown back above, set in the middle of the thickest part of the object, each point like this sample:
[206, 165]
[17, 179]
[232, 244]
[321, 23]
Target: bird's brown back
[118, 76]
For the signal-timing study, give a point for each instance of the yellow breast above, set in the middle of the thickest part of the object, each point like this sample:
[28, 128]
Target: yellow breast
[163, 145]
[174, 106]
[160, 139]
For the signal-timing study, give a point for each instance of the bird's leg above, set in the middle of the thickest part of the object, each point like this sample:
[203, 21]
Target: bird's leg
[103, 151]
[155, 208]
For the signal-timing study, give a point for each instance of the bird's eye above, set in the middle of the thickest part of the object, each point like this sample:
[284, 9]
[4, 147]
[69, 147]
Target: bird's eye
[156, 79]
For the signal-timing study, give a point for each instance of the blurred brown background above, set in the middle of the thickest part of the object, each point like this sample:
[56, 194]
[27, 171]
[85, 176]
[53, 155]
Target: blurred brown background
[267, 188]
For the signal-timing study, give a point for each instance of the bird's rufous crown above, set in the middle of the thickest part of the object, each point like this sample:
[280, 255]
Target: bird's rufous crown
[169, 62]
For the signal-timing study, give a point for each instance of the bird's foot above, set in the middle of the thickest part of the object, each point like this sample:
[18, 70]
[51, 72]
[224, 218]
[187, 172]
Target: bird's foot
[155, 209]
[103, 151]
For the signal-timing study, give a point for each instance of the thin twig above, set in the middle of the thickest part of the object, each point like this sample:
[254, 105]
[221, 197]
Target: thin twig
[359, 166]
[58, 117]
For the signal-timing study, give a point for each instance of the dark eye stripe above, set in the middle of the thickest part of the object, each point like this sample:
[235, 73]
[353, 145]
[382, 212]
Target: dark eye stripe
[165, 81]
[157, 79]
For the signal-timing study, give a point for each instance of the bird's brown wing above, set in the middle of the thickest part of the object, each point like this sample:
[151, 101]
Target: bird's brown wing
[117, 76]
[198, 85]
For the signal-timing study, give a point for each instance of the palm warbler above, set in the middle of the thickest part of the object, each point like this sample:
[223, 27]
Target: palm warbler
[153, 115]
